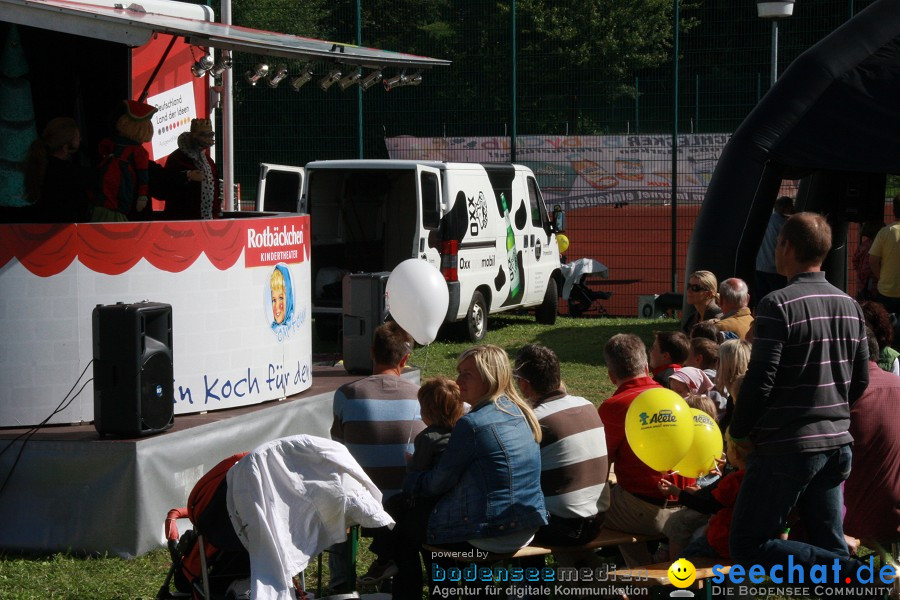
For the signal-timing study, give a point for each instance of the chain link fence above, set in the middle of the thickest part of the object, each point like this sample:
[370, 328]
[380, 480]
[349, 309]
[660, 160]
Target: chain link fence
[590, 103]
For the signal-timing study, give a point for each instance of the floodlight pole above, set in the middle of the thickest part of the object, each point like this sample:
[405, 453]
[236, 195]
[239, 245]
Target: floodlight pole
[227, 126]
[512, 83]
[774, 74]
[359, 93]
[674, 219]
[774, 10]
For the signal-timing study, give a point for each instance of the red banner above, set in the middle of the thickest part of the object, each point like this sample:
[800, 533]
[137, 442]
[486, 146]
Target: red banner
[173, 246]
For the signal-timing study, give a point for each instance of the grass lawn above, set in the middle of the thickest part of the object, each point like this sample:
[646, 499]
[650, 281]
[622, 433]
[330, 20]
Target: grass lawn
[578, 342]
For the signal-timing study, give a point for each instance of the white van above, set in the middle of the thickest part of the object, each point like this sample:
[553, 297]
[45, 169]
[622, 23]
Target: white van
[485, 226]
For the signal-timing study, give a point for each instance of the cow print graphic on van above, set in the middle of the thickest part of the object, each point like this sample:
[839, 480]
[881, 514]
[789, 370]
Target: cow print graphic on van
[478, 216]
[520, 217]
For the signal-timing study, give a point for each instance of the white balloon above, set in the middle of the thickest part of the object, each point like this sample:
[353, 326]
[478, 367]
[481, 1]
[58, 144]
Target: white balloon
[417, 298]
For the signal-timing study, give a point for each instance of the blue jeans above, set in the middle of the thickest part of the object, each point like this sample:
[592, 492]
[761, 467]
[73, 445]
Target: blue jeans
[772, 486]
[892, 305]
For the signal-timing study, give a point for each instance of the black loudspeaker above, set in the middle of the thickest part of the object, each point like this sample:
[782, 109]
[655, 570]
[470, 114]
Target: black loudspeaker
[133, 371]
[364, 310]
[844, 196]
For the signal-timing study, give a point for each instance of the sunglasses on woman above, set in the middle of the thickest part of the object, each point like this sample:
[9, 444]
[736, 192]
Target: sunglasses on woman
[696, 288]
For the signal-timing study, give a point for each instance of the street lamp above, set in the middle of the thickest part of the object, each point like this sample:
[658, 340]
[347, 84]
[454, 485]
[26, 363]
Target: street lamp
[774, 10]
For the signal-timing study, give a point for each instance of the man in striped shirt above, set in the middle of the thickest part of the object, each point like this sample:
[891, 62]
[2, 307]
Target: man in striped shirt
[574, 465]
[378, 418]
[808, 364]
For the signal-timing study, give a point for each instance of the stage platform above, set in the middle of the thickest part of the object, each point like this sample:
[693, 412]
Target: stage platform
[72, 491]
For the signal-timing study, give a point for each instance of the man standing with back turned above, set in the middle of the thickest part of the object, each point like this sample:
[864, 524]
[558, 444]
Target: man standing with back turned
[809, 363]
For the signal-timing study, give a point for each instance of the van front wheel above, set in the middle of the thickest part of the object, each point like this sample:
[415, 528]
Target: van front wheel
[545, 314]
[477, 318]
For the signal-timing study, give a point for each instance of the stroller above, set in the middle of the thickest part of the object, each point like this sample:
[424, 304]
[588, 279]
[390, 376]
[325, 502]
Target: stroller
[580, 297]
[208, 562]
[291, 499]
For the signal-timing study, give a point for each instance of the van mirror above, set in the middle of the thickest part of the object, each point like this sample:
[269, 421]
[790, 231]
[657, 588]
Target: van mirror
[559, 219]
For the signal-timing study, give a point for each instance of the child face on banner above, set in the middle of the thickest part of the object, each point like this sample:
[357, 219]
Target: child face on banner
[278, 301]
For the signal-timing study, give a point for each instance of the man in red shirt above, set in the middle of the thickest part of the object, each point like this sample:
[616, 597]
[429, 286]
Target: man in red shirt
[872, 493]
[637, 505]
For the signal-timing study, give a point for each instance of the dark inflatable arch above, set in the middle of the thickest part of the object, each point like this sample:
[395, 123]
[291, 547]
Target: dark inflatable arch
[834, 112]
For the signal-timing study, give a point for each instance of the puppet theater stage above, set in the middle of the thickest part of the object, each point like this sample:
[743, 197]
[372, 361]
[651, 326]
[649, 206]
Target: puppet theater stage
[243, 372]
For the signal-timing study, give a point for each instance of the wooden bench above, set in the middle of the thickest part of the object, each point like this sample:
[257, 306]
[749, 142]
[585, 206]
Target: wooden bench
[641, 577]
[605, 539]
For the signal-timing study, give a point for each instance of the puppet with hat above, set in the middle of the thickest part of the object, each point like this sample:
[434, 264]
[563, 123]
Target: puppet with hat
[200, 198]
[124, 166]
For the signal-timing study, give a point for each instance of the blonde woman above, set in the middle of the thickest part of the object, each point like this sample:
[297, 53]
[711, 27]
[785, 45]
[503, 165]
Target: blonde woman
[702, 293]
[734, 357]
[489, 476]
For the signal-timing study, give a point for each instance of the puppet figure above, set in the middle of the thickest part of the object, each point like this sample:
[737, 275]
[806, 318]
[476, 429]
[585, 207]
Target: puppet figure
[124, 168]
[200, 196]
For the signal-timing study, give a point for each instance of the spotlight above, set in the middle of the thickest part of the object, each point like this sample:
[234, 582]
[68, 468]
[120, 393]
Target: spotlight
[280, 73]
[329, 80]
[204, 64]
[415, 78]
[402, 79]
[259, 71]
[224, 62]
[371, 79]
[350, 79]
[305, 76]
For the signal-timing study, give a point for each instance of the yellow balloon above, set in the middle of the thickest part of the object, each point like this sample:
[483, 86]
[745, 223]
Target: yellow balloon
[705, 449]
[659, 428]
[563, 242]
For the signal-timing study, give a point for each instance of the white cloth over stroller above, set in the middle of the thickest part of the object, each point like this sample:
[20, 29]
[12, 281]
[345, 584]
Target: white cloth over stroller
[292, 498]
[575, 270]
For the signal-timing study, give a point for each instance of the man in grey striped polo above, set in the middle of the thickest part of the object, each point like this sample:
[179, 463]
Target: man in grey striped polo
[574, 464]
[808, 364]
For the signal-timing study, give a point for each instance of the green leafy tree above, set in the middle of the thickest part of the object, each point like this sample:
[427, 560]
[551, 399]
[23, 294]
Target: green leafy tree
[565, 49]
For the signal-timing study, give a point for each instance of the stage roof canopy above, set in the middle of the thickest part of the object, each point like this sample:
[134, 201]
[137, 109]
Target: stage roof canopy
[135, 23]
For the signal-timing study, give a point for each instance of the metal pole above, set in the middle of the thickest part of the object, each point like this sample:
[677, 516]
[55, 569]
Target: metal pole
[674, 219]
[228, 125]
[512, 82]
[774, 52]
[359, 94]
[696, 105]
[637, 107]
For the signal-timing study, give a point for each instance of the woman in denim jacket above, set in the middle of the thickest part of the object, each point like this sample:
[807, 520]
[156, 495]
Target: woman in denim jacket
[489, 476]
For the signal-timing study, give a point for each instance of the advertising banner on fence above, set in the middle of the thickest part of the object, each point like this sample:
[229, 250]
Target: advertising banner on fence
[239, 291]
[582, 171]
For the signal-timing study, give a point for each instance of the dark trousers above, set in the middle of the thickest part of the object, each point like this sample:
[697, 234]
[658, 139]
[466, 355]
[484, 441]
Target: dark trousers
[560, 531]
[772, 486]
[410, 535]
[892, 305]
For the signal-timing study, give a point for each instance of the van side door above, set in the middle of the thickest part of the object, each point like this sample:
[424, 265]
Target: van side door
[280, 188]
[539, 255]
[431, 205]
